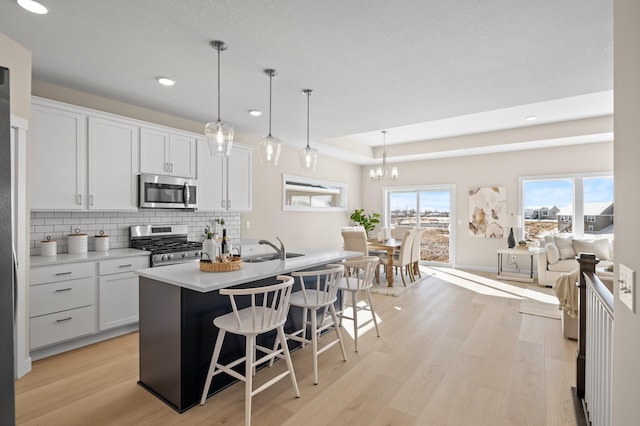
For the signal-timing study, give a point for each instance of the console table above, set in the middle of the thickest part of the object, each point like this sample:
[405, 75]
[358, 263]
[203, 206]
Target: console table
[515, 274]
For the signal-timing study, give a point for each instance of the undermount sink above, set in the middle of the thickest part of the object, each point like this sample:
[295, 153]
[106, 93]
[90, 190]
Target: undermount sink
[269, 256]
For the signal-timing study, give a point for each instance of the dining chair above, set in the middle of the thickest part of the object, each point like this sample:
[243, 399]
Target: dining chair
[398, 232]
[267, 311]
[318, 293]
[357, 241]
[358, 278]
[415, 251]
[402, 259]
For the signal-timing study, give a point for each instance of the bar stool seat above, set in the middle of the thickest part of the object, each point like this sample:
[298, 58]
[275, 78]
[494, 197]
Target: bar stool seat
[267, 311]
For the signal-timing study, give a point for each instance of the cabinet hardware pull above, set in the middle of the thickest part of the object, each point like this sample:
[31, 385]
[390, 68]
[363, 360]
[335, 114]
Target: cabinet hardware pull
[90, 200]
[64, 319]
[64, 273]
[229, 203]
[79, 199]
[63, 289]
[171, 167]
[126, 266]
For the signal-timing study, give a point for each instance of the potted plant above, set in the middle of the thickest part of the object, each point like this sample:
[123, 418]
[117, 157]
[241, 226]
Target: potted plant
[368, 221]
[522, 244]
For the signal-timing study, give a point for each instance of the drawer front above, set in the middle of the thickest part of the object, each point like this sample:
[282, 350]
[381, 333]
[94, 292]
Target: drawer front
[62, 296]
[125, 264]
[55, 273]
[54, 328]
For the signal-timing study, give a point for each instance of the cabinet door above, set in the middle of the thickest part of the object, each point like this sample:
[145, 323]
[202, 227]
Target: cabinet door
[118, 300]
[182, 156]
[210, 179]
[239, 180]
[113, 165]
[58, 164]
[154, 146]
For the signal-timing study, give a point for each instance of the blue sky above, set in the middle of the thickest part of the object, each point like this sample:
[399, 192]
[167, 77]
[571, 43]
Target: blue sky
[429, 200]
[560, 192]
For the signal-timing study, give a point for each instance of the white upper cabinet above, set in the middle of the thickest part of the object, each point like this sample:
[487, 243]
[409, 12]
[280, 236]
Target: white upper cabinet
[164, 153]
[113, 165]
[224, 183]
[58, 159]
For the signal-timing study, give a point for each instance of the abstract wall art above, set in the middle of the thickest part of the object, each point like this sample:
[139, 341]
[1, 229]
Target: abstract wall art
[488, 212]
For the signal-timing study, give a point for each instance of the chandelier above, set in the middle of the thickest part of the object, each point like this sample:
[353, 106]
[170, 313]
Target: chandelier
[380, 173]
[219, 134]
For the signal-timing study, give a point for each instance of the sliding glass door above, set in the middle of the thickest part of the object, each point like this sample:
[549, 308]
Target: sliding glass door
[428, 208]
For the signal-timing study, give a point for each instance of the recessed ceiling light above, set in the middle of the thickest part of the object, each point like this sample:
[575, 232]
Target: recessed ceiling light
[165, 81]
[531, 118]
[255, 113]
[33, 6]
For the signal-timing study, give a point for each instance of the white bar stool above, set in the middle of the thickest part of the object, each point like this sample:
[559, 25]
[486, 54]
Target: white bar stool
[319, 292]
[358, 277]
[268, 311]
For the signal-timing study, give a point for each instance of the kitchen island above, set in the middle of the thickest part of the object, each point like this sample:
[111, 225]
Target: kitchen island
[177, 306]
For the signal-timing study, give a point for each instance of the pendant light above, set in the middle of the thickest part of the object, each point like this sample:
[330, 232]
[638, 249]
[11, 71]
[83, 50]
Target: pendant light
[270, 146]
[219, 134]
[381, 173]
[308, 156]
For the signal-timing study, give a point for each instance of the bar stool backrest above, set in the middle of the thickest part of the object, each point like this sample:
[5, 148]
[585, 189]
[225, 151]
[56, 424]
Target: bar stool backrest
[320, 287]
[359, 273]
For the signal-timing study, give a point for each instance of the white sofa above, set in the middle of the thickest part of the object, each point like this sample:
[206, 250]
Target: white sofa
[558, 256]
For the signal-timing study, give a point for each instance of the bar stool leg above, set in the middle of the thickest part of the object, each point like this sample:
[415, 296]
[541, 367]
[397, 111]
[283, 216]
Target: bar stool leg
[212, 365]
[287, 358]
[248, 387]
[337, 329]
[314, 343]
[355, 319]
[373, 313]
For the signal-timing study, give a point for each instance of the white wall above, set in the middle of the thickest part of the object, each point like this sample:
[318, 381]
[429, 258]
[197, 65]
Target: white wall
[299, 229]
[502, 169]
[626, 338]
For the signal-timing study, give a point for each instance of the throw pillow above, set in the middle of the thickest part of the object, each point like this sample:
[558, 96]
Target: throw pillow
[565, 246]
[553, 254]
[602, 250]
[549, 239]
[582, 246]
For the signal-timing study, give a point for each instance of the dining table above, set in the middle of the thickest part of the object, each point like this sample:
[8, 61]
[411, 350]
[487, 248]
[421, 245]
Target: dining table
[388, 245]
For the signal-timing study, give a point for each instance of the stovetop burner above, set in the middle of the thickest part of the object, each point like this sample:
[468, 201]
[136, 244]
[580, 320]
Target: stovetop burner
[168, 244]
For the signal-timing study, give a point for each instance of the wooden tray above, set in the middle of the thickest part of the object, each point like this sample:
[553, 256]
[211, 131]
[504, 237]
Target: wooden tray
[232, 265]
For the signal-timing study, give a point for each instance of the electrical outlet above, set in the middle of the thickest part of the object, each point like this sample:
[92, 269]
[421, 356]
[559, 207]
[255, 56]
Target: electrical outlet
[627, 287]
[248, 224]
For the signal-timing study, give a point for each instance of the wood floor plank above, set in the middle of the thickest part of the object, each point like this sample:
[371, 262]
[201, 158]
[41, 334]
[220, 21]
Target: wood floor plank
[453, 350]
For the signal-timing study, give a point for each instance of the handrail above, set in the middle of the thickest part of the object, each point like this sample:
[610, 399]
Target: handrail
[601, 291]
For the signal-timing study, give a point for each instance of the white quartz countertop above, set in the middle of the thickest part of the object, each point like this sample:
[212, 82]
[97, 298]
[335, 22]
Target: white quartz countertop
[188, 275]
[62, 258]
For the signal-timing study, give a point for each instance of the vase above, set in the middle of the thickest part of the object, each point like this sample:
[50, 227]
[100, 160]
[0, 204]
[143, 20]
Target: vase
[209, 249]
[511, 241]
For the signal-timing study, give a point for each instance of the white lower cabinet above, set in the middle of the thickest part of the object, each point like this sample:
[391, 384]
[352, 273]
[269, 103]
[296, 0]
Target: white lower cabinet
[73, 303]
[62, 307]
[118, 291]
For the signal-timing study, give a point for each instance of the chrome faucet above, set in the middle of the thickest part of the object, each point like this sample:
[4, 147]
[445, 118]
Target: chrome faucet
[282, 252]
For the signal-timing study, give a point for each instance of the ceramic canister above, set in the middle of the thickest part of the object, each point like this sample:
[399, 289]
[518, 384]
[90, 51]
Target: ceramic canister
[102, 242]
[77, 242]
[48, 247]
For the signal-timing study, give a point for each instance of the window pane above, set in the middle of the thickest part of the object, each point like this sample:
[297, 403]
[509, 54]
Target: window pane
[598, 206]
[548, 208]
[403, 208]
[434, 219]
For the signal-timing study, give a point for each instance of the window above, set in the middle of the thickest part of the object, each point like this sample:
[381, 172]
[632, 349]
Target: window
[428, 208]
[577, 205]
[302, 193]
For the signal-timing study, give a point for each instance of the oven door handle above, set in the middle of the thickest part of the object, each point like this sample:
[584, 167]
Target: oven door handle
[186, 194]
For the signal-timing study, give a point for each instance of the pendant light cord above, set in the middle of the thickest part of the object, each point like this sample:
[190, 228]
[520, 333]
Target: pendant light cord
[218, 84]
[308, 97]
[270, 79]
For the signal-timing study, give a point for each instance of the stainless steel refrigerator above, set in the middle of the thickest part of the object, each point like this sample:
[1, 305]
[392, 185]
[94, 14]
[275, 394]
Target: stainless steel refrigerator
[8, 289]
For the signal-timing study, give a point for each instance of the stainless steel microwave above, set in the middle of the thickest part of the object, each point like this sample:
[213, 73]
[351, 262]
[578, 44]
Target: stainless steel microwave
[167, 192]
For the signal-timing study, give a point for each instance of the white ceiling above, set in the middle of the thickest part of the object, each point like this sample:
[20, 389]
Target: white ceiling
[422, 69]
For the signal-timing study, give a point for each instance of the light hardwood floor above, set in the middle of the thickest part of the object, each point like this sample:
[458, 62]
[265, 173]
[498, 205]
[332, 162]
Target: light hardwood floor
[454, 350]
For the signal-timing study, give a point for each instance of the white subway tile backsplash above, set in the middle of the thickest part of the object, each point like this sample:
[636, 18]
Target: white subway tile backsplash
[116, 224]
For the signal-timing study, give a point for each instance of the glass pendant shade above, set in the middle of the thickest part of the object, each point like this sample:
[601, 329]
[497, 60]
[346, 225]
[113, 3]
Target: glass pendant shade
[308, 156]
[269, 146]
[219, 137]
[219, 134]
[308, 159]
[270, 150]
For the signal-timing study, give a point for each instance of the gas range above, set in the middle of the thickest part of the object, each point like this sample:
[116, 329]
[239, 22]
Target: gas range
[168, 244]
